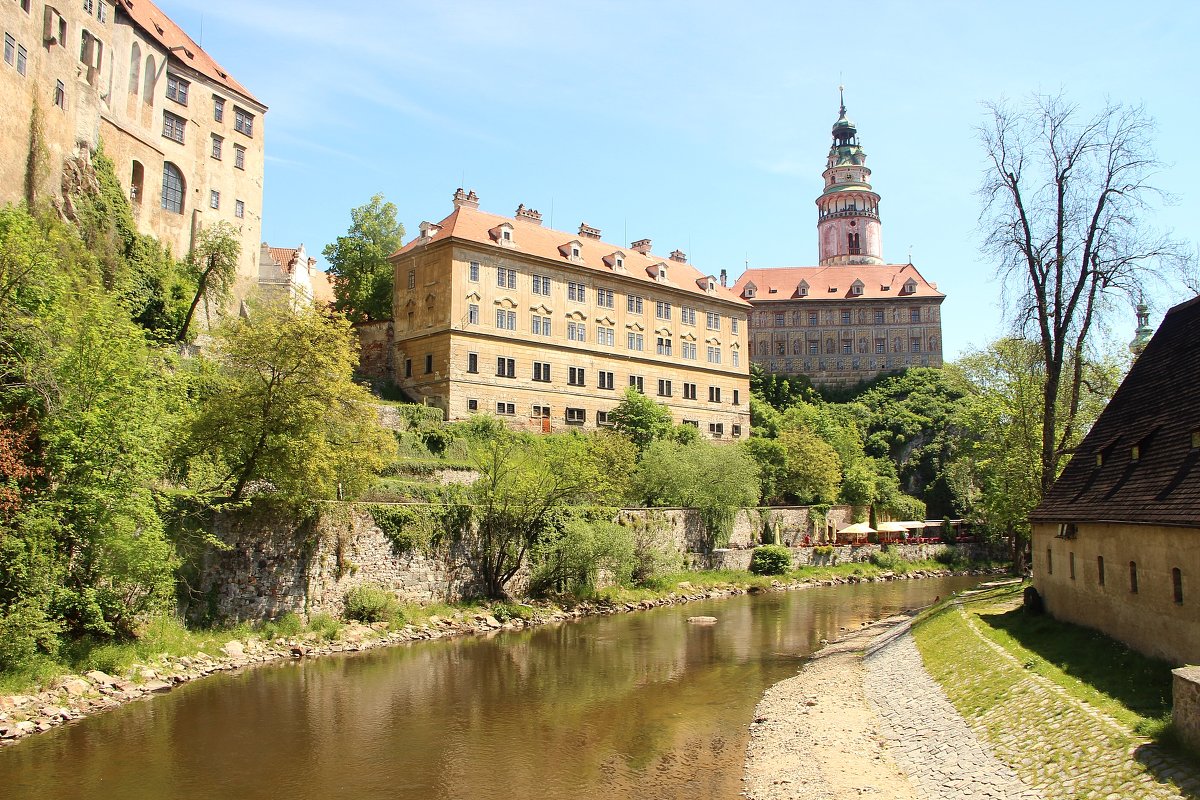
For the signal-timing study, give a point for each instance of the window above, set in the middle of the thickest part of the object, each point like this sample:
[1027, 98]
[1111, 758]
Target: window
[1049, 561]
[472, 314]
[472, 405]
[689, 350]
[576, 416]
[734, 325]
[602, 418]
[576, 376]
[214, 199]
[1100, 569]
[880, 346]
[636, 382]
[853, 244]
[714, 394]
[172, 126]
[473, 363]
[914, 344]
[177, 89]
[506, 235]
[239, 209]
[10, 49]
[662, 310]
[473, 272]
[408, 367]
[716, 429]
[506, 320]
[780, 320]
[692, 422]
[102, 11]
[239, 156]
[735, 430]
[713, 320]
[23, 61]
[604, 380]
[736, 355]
[737, 396]
[814, 347]
[506, 367]
[412, 279]
[606, 336]
[714, 355]
[663, 347]
[813, 319]
[687, 315]
[87, 6]
[689, 391]
[541, 371]
[634, 341]
[218, 109]
[506, 409]
[1071, 564]
[878, 317]
[633, 304]
[664, 388]
[60, 97]
[541, 285]
[428, 363]
[576, 332]
[845, 317]
[506, 278]
[541, 325]
[604, 298]
[576, 292]
[914, 315]
[243, 121]
[1177, 585]
[1133, 577]
[172, 188]
[847, 346]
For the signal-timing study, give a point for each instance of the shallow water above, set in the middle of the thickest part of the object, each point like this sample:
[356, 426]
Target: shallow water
[630, 706]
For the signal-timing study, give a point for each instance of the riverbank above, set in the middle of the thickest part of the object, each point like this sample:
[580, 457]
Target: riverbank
[74, 696]
[975, 701]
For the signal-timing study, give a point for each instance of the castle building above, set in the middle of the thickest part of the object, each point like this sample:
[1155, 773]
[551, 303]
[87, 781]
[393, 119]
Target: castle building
[547, 328]
[185, 137]
[853, 316]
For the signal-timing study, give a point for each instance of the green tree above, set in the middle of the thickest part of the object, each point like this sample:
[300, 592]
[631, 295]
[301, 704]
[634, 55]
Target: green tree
[363, 276]
[771, 457]
[640, 418]
[213, 265]
[280, 407]
[812, 470]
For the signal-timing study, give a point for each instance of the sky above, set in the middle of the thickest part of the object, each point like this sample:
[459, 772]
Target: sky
[703, 126]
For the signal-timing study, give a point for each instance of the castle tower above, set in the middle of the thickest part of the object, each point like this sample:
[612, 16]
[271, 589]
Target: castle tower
[848, 229]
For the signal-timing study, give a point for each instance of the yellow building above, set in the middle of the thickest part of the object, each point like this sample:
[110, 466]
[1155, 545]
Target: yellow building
[186, 138]
[547, 328]
[1116, 540]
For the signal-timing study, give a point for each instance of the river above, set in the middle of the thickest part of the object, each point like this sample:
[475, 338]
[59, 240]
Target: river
[638, 705]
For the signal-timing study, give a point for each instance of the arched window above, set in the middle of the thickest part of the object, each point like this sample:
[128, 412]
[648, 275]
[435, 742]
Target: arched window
[853, 243]
[135, 69]
[172, 188]
[135, 182]
[148, 91]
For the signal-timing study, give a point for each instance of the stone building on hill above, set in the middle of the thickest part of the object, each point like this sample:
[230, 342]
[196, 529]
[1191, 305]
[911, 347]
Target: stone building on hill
[853, 316]
[1116, 540]
[290, 272]
[546, 328]
[186, 138]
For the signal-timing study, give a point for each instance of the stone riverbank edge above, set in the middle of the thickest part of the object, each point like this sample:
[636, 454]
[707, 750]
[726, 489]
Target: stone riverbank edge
[74, 697]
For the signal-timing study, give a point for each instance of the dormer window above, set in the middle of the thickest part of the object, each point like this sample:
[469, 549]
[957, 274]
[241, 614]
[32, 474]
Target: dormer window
[574, 252]
[856, 289]
[658, 272]
[910, 286]
[620, 262]
[616, 261]
[506, 235]
[833, 289]
[503, 234]
[749, 290]
[802, 289]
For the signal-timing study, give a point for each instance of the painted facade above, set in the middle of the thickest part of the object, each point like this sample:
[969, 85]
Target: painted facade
[547, 328]
[1116, 540]
[185, 137]
[853, 316]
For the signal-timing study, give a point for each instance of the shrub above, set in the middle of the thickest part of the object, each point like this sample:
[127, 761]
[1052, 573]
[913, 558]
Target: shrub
[889, 560]
[503, 612]
[770, 559]
[324, 625]
[26, 632]
[369, 604]
[287, 625]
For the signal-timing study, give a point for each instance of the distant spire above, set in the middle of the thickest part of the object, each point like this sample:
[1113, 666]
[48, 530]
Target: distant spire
[842, 98]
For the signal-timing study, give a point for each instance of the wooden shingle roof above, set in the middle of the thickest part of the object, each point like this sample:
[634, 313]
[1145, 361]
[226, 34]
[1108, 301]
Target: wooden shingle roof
[1157, 411]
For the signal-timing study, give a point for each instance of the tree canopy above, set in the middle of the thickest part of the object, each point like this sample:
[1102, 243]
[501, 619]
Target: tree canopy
[363, 277]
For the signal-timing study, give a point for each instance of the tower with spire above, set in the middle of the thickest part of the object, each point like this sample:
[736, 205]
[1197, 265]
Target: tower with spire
[848, 228]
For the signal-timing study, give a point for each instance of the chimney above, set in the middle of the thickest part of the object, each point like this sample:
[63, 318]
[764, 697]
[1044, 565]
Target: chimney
[529, 214]
[468, 199]
[588, 232]
[642, 246]
[679, 255]
[724, 279]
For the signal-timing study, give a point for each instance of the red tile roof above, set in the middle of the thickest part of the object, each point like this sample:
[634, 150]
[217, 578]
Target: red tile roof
[284, 258]
[833, 282]
[529, 238]
[159, 27]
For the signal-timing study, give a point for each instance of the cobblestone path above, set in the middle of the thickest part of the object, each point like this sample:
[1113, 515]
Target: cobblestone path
[1057, 744]
[927, 737]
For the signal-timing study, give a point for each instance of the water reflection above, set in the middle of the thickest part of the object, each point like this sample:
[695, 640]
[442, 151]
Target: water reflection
[640, 705]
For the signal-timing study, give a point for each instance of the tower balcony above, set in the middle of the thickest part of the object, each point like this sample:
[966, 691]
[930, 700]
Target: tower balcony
[849, 212]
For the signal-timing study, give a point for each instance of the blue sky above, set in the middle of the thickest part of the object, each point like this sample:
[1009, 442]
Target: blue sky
[701, 125]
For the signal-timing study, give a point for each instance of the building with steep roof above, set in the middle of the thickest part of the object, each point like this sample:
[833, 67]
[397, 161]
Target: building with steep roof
[186, 138]
[1116, 540]
[289, 272]
[546, 328]
[853, 316]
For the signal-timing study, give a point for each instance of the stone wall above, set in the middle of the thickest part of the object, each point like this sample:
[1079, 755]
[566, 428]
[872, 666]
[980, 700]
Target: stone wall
[375, 350]
[842, 554]
[790, 524]
[1185, 711]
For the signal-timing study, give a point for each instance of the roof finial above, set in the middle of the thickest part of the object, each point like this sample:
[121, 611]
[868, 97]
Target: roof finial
[842, 98]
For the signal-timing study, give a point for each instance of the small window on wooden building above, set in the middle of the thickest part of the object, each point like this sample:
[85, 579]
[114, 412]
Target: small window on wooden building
[1133, 577]
[1100, 569]
[1071, 564]
[1049, 561]
[1177, 584]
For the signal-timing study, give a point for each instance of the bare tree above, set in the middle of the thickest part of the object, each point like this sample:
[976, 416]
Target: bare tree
[1066, 199]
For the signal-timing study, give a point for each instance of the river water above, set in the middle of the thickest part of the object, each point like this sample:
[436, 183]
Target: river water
[637, 705]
